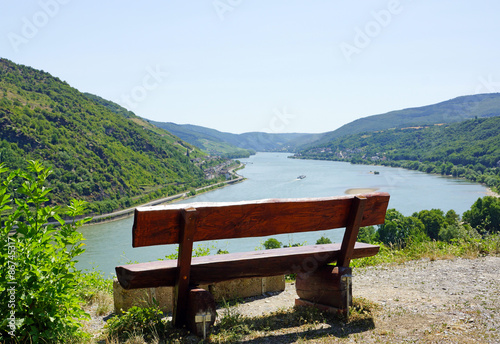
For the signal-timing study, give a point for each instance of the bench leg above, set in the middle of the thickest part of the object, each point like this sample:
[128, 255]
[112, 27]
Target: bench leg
[201, 312]
[328, 288]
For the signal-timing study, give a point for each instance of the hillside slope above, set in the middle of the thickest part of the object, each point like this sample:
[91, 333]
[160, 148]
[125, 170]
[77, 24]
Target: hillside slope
[450, 111]
[210, 140]
[97, 154]
[252, 141]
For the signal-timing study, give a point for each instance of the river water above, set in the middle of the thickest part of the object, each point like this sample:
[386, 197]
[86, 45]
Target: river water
[273, 175]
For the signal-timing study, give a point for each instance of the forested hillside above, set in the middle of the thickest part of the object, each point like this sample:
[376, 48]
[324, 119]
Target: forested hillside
[97, 150]
[251, 142]
[450, 111]
[208, 140]
[469, 149]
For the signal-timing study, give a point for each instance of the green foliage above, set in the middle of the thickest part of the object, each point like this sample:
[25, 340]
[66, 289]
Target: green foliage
[484, 215]
[454, 110]
[468, 248]
[451, 217]
[236, 145]
[433, 220]
[146, 322]
[367, 234]
[323, 240]
[97, 150]
[272, 243]
[399, 230]
[91, 283]
[42, 279]
[458, 231]
[198, 251]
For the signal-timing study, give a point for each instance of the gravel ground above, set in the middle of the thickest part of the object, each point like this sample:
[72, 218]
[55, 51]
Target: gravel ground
[443, 301]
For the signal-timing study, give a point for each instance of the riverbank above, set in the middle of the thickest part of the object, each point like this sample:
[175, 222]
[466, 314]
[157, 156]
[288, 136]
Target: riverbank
[490, 192]
[125, 213]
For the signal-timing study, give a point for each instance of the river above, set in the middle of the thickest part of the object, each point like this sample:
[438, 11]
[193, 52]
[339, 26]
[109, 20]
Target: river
[273, 175]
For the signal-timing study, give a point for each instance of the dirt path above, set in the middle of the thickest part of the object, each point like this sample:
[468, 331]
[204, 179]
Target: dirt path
[445, 301]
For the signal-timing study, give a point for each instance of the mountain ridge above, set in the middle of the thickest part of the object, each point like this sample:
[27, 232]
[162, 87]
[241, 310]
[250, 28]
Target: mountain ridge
[251, 141]
[449, 111]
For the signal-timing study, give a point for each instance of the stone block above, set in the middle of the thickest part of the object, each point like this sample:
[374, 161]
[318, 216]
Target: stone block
[227, 290]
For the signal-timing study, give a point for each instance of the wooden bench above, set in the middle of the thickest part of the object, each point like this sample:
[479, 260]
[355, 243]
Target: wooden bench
[317, 282]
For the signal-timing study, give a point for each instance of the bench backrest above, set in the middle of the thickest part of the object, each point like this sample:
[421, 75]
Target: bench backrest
[160, 225]
[187, 223]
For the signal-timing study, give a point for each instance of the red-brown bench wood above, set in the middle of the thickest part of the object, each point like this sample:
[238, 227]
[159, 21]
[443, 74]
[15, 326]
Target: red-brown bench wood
[184, 224]
[222, 267]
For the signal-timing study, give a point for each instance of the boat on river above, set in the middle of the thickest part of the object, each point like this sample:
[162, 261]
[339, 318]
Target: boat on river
[302, 176]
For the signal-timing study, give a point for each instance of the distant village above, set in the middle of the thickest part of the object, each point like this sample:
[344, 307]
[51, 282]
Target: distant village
[214, 171]
[345, 154]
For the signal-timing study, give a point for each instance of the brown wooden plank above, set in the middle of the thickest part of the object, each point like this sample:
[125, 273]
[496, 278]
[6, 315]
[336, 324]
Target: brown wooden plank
[160, 225]
[183, 270]
[351, 231]
[201, 305]
[210, 269]
[325, 286]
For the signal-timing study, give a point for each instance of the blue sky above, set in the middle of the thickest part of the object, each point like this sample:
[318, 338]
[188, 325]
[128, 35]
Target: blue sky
[273, 66]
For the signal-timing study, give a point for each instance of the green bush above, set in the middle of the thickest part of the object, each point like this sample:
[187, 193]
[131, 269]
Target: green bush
[433, 221]
[458, 231]
[146, 322]
[400, 230]
[367, 234]
[484, 215]
[323, 240]
[41, 279]
[272, 243]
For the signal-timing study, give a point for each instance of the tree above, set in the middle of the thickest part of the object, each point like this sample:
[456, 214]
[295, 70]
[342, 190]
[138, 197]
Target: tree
[458, 231]
[433, 220]
[484, 214]
[451, 217]
[400, 230]
[367, 234]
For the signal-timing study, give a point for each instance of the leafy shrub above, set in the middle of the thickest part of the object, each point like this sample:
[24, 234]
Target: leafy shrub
[433, 221]
[323, 240]
[198, 251]
[92, 283]
[458, 231]
[146, 322]
[41, 283]
[484, 214]
[367, 235]
[272, 243]
[400, 230]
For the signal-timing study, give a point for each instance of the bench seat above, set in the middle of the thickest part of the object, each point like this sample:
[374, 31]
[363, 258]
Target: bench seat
[185, 224]
[223, 267]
